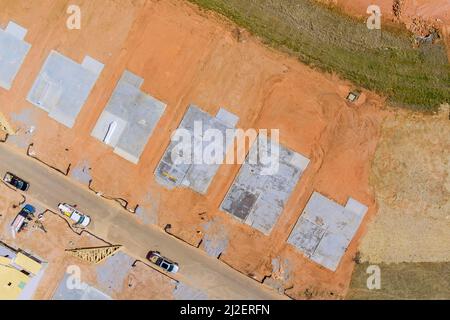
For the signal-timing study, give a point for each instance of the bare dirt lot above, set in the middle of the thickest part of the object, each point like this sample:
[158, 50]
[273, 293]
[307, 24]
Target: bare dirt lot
[424, 280]
[411, 177]
[190, 57]
[408, 238]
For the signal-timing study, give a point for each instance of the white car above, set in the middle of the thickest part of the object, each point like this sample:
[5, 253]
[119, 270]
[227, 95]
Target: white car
[162, 262]
[75, 215]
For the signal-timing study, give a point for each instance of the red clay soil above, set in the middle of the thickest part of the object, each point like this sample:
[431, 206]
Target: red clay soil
[188, 56]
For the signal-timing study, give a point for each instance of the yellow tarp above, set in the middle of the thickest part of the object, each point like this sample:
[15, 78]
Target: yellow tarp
[5, 261]
[27, 264]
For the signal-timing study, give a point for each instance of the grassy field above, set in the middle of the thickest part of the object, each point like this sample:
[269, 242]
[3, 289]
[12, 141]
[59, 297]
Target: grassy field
[403, 281]
[383, 61]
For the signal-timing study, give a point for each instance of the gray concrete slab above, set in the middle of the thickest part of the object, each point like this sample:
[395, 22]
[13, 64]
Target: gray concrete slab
[82, 172]
[195, 175]
[13, 50]
[330, 250]
[258, 199]
[306, 236]
[227, 117]
[216, 237]
[112, 272]
[325, 229]
[129, 118]
[63, 86]
[183, 291]
[239, 201]
[16, 31]
[92, 65]
[84, 292]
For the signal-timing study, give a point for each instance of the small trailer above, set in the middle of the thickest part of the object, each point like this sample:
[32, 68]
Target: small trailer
[21, 218]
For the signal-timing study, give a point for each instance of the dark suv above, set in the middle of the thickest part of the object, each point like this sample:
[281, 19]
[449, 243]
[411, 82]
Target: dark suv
[16, 182]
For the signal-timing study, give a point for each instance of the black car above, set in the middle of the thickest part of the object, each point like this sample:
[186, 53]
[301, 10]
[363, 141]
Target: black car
[16, 182]
[164, 263]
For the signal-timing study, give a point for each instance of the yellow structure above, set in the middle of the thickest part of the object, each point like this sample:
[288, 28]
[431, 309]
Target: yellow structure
[169, 176]
[27, 264]
[95, 254]
[12, 281]
[4, 261]
[16, 270]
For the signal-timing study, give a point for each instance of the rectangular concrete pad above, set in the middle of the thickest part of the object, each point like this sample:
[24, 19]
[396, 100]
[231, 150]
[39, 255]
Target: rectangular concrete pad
[273, 189]
[325, 229]
[62, 87]
[135, 116]
[197, 176]
[13, 51]
[83, 292]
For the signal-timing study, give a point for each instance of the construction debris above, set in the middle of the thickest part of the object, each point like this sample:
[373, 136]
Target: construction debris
[38, 224]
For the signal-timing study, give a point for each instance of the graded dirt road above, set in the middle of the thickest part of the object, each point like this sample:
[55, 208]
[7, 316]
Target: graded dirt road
[112, 224]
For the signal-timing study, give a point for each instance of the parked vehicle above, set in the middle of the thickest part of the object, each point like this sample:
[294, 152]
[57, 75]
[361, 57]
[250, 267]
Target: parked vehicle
[162, 262]
[16, 182]
[75, 215]
[21, 218]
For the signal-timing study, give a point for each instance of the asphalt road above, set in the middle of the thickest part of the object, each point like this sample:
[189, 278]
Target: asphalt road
[115, 225]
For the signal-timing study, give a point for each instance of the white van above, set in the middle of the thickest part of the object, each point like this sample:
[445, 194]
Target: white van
[75, 215]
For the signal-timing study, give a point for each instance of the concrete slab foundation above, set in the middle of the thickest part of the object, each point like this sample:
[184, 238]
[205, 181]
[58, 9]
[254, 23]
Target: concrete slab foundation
[68, 291]
[13, 50]
[325, 229]
[63, 86]
[129, 118]
[196, 174]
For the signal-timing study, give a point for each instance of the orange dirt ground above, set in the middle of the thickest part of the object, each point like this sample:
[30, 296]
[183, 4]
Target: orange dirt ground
[188, 56]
